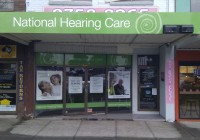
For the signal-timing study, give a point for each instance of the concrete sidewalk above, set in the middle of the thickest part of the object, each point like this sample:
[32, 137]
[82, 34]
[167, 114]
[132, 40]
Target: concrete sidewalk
[104, 129]
[58, 128]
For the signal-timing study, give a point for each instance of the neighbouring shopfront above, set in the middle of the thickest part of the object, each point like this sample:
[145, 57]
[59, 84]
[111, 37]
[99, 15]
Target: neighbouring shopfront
[188, 84]
[11, 76]
[83, 83]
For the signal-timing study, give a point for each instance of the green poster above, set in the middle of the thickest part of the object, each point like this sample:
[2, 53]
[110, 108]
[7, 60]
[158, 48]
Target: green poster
[119, 60]
[85, 59]
[49, 59]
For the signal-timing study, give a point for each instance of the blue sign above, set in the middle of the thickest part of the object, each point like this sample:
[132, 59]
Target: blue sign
[197, 72]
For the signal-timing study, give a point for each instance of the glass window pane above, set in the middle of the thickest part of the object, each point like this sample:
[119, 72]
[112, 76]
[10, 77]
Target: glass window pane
[7, 76]
[189, 90]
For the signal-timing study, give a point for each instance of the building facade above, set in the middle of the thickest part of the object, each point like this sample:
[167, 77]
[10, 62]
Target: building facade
[64, 62]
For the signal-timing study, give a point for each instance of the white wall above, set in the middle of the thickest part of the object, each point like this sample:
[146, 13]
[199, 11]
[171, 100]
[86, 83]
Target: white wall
[36, 5]
[170, 107]
[165, 5]
[162, 83]
[167, 109]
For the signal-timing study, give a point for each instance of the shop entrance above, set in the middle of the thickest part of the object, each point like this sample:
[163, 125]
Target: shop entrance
[85, 89]
[148, 79]
[148, 88]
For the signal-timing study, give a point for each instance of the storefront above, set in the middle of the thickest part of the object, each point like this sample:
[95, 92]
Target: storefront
[90, 56]
[11, 76]
[83, 83]
[188, 85]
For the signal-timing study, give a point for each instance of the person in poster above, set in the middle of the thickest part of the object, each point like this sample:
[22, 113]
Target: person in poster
[46, 88]
[56, 84]
[49, 85]
[119, 84]
[119, 88]
[112, 81]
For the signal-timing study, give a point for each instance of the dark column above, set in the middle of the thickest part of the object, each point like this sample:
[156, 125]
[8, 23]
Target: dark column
[29, 80]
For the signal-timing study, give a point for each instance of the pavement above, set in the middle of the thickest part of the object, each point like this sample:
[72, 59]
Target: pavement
[88, 128]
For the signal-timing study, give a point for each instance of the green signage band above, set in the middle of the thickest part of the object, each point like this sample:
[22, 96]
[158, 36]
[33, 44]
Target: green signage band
[94, 23]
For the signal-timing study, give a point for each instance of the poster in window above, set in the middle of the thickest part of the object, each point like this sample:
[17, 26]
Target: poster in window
[96, 84]
[118, 84]
[7, 76]
[49, 85]
[75, 85]
[8, 51]
[148, 98]
[7, 101]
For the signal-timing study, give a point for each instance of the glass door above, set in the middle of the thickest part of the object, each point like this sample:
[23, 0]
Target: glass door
[85, 90]
[77, 90]
[97, 90]
[148, 88]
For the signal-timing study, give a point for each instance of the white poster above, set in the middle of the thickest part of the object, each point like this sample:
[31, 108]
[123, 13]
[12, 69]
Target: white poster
[118, 84]
[49, 85]
[96, 84]
[154, 91]
[7, 107]
[75, 85]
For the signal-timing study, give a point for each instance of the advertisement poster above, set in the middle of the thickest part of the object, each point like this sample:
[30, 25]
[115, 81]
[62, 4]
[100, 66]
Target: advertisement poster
[8, 51]
[7, 101]
[75, 85]
[7, 76]
[49, 85]
[148, 99]
[96, 84]
[118, 84]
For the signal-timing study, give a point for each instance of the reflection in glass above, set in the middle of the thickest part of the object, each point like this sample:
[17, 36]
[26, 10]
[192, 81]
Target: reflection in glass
[189, 91]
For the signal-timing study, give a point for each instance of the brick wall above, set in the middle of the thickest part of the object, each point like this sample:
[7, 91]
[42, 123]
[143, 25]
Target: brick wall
[20, 5]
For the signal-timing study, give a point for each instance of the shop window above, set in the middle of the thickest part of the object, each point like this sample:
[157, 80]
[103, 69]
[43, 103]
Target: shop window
[8, 87]
[189, 90]
[119, 89]
[48, 92]
[7, 76]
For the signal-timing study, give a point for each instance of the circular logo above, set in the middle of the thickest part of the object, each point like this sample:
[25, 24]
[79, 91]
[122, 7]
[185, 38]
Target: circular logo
[148, 23]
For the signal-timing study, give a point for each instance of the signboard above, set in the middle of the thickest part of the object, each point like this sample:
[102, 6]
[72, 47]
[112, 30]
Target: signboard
[7, 76]
[118, 84]
[7, 101]
[148, 60]
[75, 85]
[94, 23]
[169, 81]
[96, 84]
[8, 51]
[21, 81]
[121, 9]
[49, 85]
